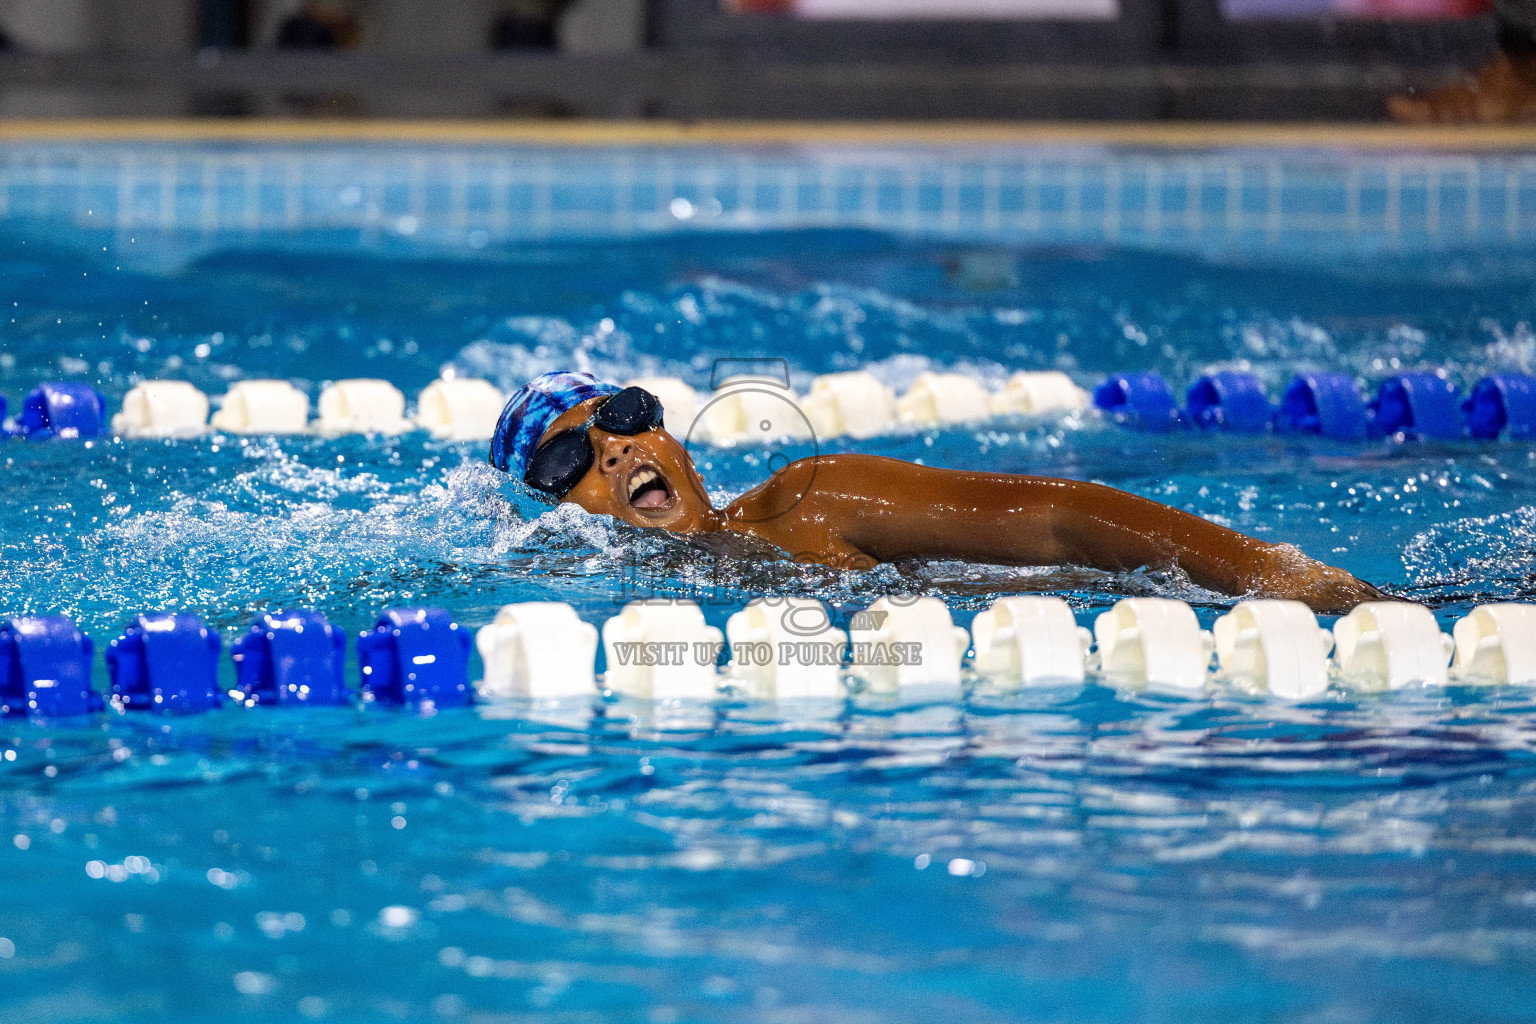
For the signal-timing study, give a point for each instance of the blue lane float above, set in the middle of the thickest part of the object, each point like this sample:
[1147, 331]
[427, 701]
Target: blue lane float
[416, 656]
[165, 662]
[1419, 405]
[291, 657]
[63, 409]
[1502, 400]
[1141, 401]
[45, 668]
[1329, 404]
[1229, 400]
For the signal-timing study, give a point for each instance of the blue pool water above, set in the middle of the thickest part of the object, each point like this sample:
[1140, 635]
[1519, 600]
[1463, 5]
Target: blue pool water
[1072, 854]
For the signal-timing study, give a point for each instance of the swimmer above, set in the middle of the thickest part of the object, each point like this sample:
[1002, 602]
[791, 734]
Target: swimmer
[577, 439]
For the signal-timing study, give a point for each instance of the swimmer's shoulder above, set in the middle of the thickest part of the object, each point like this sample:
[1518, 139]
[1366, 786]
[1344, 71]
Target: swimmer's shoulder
[825, 478]
[850, 469]
[840, 469]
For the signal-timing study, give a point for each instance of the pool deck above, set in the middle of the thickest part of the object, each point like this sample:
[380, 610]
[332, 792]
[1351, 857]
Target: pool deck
[1186, 135]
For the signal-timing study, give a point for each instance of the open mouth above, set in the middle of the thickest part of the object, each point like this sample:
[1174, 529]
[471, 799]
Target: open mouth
[648, 490]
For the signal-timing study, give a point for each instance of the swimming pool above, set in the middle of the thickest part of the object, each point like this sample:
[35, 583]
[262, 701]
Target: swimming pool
[1053, 854]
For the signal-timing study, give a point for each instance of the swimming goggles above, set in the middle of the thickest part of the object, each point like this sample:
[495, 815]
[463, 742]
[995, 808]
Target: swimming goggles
[559, 463]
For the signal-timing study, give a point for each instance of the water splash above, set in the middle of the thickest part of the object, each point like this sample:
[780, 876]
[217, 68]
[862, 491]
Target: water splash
[1489, 554]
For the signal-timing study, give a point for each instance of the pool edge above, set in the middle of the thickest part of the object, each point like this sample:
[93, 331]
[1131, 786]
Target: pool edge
[1197, 135]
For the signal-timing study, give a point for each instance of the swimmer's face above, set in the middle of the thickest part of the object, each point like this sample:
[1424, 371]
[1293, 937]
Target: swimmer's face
[646, 479]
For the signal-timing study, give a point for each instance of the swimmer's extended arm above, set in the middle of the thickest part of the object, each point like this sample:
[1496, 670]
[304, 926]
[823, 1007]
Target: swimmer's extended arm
[1025, 520]
[891, 510]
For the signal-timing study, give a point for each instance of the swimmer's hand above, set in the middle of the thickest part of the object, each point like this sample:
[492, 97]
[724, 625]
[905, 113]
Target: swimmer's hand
[1323, 588]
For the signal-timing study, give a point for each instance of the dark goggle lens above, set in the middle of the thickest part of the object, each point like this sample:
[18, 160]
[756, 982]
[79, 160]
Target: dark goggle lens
[629, 412]
[560, 463]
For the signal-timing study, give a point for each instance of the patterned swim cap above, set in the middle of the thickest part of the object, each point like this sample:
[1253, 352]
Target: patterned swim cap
[530, 411]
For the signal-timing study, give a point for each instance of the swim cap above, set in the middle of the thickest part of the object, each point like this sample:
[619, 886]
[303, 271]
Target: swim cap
[530, 411]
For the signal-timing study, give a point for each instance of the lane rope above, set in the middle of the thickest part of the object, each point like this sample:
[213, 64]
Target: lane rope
[776, 648]
[755, 409]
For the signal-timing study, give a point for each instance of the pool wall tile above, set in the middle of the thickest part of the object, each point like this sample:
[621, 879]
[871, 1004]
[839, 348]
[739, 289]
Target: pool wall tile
[1250, 203]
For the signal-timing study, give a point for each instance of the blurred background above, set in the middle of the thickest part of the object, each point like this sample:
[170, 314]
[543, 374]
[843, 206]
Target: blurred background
[686, 59]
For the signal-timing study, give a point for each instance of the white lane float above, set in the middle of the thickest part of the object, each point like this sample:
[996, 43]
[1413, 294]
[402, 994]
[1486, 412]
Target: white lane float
[941, 399]
[459, 409]
[262, 407]
[538, 649]
[1036, 393]
[162, 408]
[902, 642]
[1496, 643]
[853, 404]
[750, 410]
[362, 406]
[1153, 641]
[1385, 645]
[1030, 641]
[1275, 646]
[662, 650]
[784, 648]
[679, 402]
